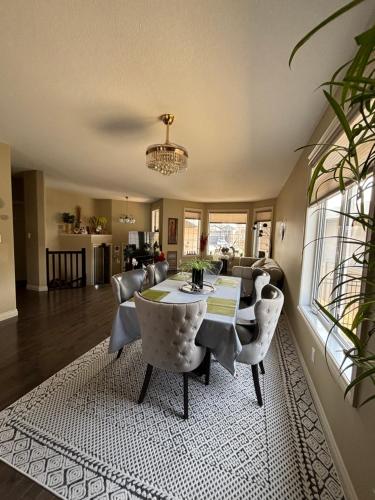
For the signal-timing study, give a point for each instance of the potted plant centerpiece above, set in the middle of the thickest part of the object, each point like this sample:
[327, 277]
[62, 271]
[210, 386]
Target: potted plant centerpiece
[197, 267]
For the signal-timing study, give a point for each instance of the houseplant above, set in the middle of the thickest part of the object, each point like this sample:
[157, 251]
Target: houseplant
[349, 93]
[68, 219]
[98, 223]
[197, 267]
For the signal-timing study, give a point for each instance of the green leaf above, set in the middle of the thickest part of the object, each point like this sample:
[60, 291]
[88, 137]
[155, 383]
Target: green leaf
[321, 25]
[340, 115]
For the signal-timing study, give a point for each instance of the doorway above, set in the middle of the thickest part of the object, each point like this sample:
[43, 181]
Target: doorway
[19, 230]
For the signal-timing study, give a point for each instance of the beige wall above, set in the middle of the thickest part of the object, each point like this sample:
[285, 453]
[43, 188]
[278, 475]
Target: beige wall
[353, 429]
[35, 230]
[59, 201]
[7, 272]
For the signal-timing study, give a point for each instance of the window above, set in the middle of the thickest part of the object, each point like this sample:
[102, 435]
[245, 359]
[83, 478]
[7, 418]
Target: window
[331, 251]
[155, 216]
[227, 229]
[192, 231]
[328, 270]
[329, 236]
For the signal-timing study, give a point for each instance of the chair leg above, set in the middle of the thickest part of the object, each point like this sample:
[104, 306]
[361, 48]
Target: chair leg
[145, 383]
[261, 366]
[208, 366]
[186, 396]
[119, 353]
[254, 369]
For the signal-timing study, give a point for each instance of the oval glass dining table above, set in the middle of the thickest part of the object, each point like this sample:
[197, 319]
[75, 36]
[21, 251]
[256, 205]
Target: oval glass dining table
[218, 329]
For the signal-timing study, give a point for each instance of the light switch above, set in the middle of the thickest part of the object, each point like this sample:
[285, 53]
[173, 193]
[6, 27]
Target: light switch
[29, 236]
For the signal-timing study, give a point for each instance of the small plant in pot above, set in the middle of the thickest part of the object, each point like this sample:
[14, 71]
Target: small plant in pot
[68, 219]
[197, 267]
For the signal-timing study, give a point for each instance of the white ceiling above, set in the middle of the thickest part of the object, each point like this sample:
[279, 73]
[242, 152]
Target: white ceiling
[82, 83]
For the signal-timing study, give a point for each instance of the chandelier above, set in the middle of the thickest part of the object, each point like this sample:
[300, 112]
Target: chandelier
[126, 219]
[167, 158]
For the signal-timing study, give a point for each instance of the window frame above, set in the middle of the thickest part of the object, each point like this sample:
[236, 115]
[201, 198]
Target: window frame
[330, 341]
[200, 211]
[229, 211]
[343, 221]
[253, 232]
[152, 220]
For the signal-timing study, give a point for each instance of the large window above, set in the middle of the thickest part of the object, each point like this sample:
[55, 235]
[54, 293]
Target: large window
[192, 231]
[155, 217]
[227, 229]
[336, 272]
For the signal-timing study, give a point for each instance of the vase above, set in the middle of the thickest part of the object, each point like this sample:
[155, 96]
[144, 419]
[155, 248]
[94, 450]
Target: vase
[197, 277]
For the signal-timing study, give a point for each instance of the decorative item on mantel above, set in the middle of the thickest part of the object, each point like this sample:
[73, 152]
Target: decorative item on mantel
[68, 220]
[126, 218]
[79, 227]
[98, 224]
[167, 158]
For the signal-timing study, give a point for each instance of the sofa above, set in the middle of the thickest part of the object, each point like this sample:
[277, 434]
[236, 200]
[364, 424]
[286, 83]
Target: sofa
[245, 269]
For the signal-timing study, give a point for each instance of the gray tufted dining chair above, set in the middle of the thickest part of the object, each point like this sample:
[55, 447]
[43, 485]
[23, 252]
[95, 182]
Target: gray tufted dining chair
[124, 285]
[261, 279]
[256, 338]
[168, 334]
[156, 273]
[161, 271]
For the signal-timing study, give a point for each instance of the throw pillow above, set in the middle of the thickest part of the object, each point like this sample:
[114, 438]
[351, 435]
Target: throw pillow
[259, 263]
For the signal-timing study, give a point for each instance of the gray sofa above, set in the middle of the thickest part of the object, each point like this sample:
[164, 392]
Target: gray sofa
[245, 270]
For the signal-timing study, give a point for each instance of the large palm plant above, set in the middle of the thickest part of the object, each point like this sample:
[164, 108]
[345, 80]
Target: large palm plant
[351, 92]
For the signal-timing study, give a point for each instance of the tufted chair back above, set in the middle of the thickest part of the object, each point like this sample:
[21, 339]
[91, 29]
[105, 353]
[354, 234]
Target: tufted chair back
[168, 333]
[150, 270]
[267, 313]
[260, 279]
[125, 284]
[161, 271]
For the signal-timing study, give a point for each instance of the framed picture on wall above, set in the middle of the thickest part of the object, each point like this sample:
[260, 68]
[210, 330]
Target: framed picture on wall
[172, 231]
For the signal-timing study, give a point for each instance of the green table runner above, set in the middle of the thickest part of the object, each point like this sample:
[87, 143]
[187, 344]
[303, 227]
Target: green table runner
[226, 307]
[180, 277]
[227, 282]
[151, 294]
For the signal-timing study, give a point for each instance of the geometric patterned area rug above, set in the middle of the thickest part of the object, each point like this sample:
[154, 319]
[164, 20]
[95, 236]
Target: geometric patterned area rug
[82, 435]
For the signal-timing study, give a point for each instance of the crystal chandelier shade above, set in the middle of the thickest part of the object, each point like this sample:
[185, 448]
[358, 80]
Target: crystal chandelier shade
[167, 158]
[125, 218]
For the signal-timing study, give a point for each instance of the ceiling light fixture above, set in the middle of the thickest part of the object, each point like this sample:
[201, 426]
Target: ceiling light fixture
[126, 219]
[167, 158]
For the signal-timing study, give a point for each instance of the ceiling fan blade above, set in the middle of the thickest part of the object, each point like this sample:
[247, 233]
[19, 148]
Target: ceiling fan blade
[122, 124]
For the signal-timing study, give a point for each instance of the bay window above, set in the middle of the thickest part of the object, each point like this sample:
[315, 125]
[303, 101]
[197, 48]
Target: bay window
[192, 231]
[227, 230]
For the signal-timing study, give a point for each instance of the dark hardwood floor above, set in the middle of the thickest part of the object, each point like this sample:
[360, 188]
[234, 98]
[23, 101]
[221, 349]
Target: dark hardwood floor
[51, 331]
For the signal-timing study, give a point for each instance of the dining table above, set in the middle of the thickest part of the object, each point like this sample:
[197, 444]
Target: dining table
[218, 329]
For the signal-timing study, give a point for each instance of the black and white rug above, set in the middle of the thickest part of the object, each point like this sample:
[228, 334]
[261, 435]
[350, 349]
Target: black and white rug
[82, 435]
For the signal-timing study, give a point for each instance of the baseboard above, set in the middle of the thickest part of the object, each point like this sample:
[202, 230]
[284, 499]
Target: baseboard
[37, 288]
[8, 314]
[346, 482]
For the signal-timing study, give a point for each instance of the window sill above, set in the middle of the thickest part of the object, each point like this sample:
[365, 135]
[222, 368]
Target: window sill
[333, 349]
